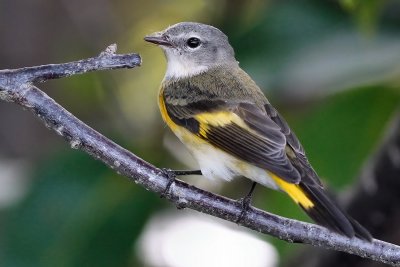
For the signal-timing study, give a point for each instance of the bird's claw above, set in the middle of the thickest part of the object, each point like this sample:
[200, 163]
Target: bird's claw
[171, 179]
[245, 203]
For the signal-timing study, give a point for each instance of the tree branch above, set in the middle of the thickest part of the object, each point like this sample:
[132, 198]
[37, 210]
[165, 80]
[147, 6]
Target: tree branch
[16, 86]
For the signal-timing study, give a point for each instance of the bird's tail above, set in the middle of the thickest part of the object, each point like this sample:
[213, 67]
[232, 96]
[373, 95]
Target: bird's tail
[315, 202]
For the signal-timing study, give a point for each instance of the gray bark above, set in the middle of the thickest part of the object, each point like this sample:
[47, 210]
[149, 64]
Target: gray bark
[17, 86]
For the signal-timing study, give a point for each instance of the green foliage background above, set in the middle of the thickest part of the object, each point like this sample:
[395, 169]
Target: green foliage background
[79, 213]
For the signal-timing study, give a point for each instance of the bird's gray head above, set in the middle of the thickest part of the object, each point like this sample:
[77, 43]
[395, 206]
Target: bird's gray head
[192, 48]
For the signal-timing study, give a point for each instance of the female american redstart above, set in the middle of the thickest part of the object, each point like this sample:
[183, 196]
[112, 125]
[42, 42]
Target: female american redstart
[229, 126]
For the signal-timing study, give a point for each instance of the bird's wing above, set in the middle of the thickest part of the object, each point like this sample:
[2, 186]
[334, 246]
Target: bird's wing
[241, 129]
[295, 151]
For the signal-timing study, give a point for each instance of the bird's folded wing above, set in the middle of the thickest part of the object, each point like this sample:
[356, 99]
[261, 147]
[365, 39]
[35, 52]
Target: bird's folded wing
[297, 156]
[240, 129]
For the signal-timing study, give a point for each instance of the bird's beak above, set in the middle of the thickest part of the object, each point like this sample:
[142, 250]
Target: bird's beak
[158, 38]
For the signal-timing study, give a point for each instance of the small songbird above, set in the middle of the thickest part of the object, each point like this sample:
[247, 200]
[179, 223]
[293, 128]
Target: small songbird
[223, 118]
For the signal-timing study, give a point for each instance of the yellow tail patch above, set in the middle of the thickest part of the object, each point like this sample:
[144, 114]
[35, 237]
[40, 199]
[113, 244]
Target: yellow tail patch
[294, 191]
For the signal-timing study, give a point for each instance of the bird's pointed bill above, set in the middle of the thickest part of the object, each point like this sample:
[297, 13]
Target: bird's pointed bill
[158, 39]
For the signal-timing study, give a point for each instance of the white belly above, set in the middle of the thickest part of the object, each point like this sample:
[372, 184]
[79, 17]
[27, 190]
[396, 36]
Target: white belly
[217, 164]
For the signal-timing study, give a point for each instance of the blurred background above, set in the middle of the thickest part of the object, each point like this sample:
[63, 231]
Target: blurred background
[332, 68]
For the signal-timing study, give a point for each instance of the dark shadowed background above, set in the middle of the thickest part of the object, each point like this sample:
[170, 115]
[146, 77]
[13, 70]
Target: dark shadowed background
[331, 67]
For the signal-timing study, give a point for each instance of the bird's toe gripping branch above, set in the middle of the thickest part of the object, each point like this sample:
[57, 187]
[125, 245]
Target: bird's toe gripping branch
[246, 203]
[171, 174]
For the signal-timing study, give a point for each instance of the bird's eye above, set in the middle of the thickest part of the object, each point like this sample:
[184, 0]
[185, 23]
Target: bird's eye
[193, 42]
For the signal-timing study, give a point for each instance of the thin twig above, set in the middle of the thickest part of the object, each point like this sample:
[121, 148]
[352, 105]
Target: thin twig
[16, 86]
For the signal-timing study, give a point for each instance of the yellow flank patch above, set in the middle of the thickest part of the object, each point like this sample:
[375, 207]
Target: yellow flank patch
[164, 112]
[294, 191]
[183, 134]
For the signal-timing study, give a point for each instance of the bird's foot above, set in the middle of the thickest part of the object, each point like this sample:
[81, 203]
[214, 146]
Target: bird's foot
[171, 179]
[171, 174]
[246, 203]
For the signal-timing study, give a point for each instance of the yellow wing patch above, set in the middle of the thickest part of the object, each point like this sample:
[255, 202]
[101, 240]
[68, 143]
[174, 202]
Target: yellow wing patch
[218, 119]
[294, 191]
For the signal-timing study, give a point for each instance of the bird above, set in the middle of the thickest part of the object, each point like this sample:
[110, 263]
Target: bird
[227, 123]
